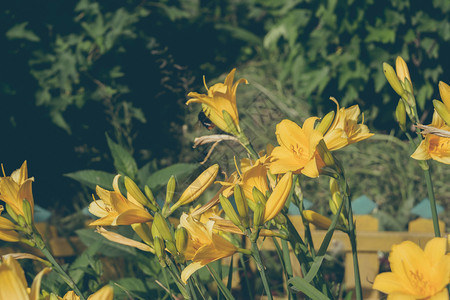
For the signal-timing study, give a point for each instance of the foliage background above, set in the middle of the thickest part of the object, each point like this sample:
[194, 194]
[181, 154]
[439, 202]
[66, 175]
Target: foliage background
[72, 71]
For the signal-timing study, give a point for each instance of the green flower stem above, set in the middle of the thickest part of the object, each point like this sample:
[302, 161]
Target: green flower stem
[352, 237]
[430, 190]
[247, 283]
[67, 279]
[426, 171]
[261, 270]
[284, 263]
[287, 263]
[247, 145]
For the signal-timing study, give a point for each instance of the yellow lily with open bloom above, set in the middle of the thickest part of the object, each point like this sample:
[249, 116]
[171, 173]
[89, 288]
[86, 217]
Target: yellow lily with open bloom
[297, 151]
[345, 129]
[221, 97]
[115, 209]
[416, 273]
[204, 245]
[17, 187]
[14, 285]
[434, 146]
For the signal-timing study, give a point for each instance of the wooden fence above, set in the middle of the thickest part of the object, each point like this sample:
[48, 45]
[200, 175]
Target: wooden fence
[370, 242]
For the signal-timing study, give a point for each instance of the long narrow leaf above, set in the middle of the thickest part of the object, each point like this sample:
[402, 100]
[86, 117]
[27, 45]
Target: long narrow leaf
[323, 247]
[301, 285]
[220, 284]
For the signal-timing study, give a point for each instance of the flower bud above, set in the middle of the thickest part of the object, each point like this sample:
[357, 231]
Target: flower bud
[171, 247]
[149, 194]
[135, 192]
[230, 212]
[258, 215]
[170, 190]
[318, 220]
[326, 122]
[181, 239]
[241, 204]
[278, 198]
[258, 196]
[27, 212]
[162, 227]
[400, 115]
[442, 111]
[143, 231]
[325, 154]
[231, 126]
[197, 187]
[403, 72]
[392, 78]
[11, 213]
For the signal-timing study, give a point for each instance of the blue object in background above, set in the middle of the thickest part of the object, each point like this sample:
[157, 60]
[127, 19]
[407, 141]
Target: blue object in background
[293, 210]
[41, 214]
[423, 209]
[363, 205]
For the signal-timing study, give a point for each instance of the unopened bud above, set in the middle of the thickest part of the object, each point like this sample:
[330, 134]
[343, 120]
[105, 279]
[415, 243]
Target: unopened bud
[325, 154]
[442, 111]
[143, 231]
[27, 211]
[392, 78]
[258, 196]
[318, 220]
[162, 227]
[149, 194]
[258, 215]
[403, 72]
[135, 192]
[326, 122]
[400, 115]
[231, 126]
[11, 212]
[171, 247]
[280, 219]
[241, 204]
[230, 212]
[170, 190]
[181, 239]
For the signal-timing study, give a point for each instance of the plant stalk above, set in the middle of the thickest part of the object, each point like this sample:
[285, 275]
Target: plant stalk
[262, 272]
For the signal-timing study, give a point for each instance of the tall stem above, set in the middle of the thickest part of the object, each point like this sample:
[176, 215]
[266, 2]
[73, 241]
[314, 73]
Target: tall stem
[67, 279]
[432, 199]
[262, 272]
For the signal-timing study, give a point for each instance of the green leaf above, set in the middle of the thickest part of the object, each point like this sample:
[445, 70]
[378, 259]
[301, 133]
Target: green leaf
[161, 177]
[382, 35]
[92, 178]
[19, 32]
[123, 160]
[134, 288]
[301, 285]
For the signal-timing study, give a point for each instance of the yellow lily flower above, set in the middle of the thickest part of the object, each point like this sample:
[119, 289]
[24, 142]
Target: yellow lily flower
[115, 209]
[17, 187]
[278, 197]
[434, 146]
[297, 151]
[221, 97]
[14, 285]
[204, 246]
[105, 293]
[416, 273]
[345, 129]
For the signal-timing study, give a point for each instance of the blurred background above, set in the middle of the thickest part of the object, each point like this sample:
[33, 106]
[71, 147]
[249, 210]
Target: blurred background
[74, 72]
